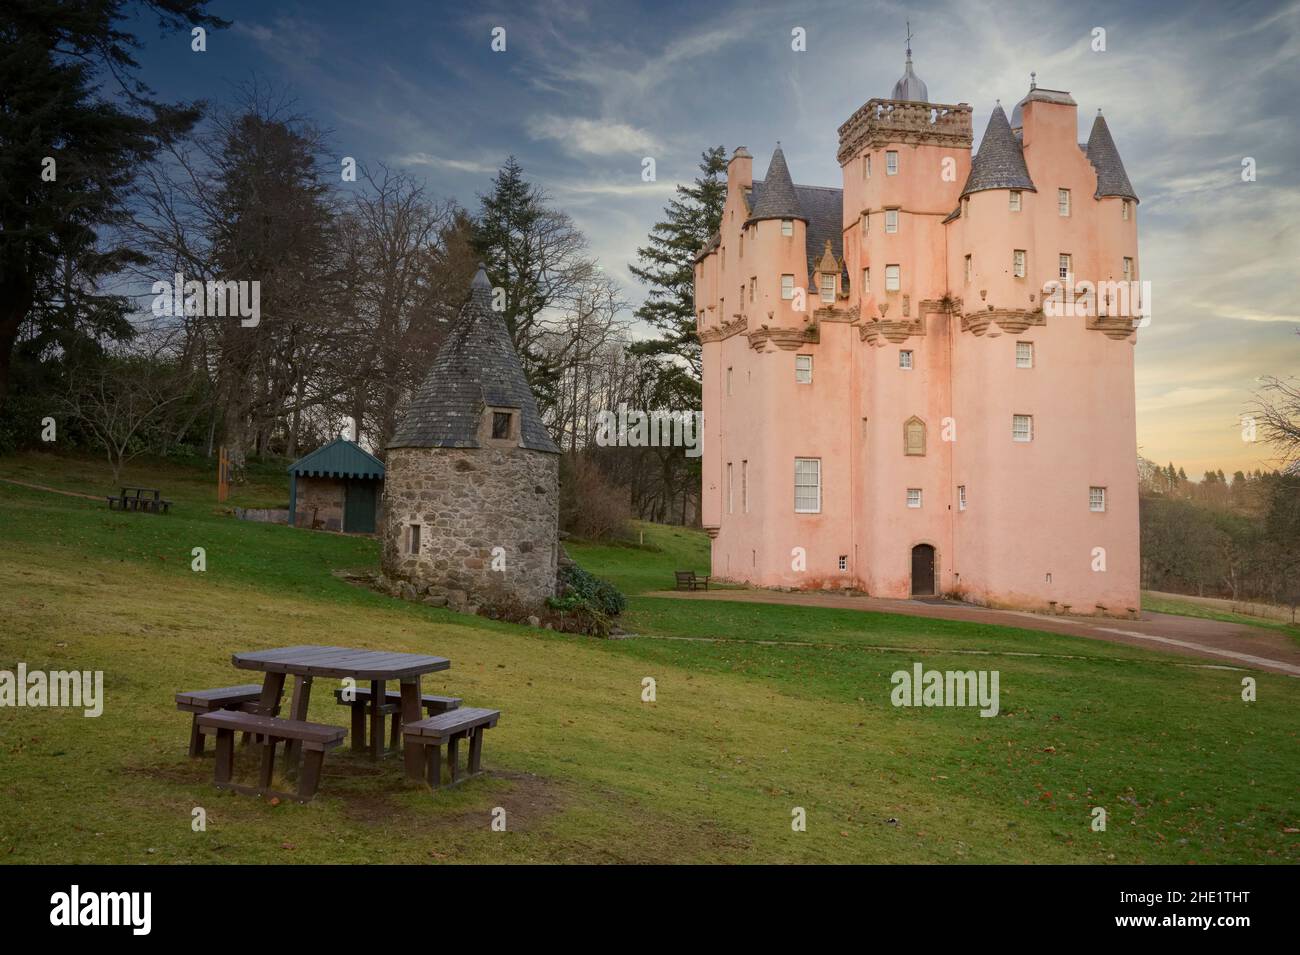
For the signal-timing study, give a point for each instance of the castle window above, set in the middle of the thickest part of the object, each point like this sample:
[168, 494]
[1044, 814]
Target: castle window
[891, 220]
[1128, 269]
[742, 245]
[1022, 427]
[913, 497]
[905, 358]
[914, 437]
[968, 269]
[728, 381]
[744, 486]
[807, 485]
[803, 369]
[1126, 211]
[730, 494]
[787, 287]
[866, 282]
[787, 227]
[891, 162]
[866, 223]
[828, 287]
[1063, 201]
[844, 561]
[892, 280]
[1018, 263]
[753, 284]
[868, 165]
[1065, 265]
[1024, 354]
[413, 540]
[961, 497]
[501, 424]
[1015, 200]
[1097, 499]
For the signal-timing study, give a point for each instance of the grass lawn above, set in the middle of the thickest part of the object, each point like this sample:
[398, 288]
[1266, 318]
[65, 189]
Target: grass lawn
[741, 733]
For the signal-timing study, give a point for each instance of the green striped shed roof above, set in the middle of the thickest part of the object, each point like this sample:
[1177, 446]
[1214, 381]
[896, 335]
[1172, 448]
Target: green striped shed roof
[340, 458]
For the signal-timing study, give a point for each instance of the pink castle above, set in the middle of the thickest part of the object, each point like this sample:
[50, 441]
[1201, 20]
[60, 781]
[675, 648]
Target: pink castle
[887, 404]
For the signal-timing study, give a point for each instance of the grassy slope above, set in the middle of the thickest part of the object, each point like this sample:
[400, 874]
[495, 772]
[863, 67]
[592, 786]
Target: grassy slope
[740, 734]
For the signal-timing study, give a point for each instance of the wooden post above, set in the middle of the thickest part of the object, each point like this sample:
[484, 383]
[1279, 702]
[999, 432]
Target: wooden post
[378, 692]
[223, 475]
[297, 711]
[414, 752]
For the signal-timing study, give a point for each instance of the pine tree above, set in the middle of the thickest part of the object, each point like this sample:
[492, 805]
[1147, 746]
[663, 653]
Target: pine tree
[538, 257]
[667, 264]
[59, 66]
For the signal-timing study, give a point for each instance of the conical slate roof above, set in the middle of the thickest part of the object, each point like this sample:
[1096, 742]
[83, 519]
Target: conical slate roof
[777, 198]
[476, 367]
[1000, 162]
[1112, 180]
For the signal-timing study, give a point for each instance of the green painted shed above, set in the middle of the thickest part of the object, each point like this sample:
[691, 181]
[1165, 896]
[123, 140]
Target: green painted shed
[338, 487]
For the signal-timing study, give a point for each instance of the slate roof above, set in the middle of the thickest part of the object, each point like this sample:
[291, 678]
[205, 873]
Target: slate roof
[1000, 162]
[340, 458]
[778, 198]
[1039, 94]
[477, 366]
[823, 208]
[1112, 180]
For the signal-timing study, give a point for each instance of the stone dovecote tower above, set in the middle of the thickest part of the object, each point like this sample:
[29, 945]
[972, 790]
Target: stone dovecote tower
[471, 500]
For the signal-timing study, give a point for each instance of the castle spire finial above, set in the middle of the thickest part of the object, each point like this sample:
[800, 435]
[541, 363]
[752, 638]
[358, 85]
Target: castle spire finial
[909, 41]
[1033, 81]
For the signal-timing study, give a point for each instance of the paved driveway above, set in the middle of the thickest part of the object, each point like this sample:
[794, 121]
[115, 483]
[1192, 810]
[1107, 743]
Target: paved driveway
[1228, 643]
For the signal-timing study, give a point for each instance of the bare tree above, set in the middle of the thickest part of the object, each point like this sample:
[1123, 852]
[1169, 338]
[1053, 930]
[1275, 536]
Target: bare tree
[1277, 405]
[119, 396]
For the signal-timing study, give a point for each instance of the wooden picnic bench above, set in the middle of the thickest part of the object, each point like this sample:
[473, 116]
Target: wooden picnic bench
[375, 667]
[198, 702]
[360, 703]
[449, 729]
[314, 740]
[687, 580]
[139, 501]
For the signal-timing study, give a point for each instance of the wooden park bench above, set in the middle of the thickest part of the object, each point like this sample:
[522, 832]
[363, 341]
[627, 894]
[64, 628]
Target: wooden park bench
[449, 729]
[360, 703]
[199, 702]
[315, 739]
[687, 580]
[139, 501]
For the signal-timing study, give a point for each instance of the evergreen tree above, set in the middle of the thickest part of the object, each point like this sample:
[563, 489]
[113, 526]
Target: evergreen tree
[667, 265]
[56, 59]
[539, 258]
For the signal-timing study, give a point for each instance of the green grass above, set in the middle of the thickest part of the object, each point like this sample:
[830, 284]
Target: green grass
[741, 731]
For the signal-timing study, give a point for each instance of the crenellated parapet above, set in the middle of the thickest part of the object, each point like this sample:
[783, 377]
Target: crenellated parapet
[882, 121]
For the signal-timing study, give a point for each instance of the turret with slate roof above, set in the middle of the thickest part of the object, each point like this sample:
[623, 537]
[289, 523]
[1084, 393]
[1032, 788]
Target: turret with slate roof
[471, 497]
[476, 367]
[1112, 180]
[1000, 162]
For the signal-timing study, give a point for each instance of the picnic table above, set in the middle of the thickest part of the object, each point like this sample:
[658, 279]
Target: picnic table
[143, 499]
[377, 667]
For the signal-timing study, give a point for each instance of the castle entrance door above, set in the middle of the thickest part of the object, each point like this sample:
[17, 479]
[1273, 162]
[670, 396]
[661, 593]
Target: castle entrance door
[922, 571]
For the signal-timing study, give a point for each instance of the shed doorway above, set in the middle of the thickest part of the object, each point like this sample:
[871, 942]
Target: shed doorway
[359, 508]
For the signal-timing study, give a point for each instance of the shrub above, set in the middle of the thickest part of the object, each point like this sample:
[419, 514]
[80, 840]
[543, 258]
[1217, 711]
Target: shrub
[592, 507]
[579, 586]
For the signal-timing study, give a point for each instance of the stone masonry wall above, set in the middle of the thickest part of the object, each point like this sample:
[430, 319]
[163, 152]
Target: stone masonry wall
[468, 501]
[325, 497]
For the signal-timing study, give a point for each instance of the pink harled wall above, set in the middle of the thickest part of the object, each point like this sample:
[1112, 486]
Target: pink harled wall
[1027, 536]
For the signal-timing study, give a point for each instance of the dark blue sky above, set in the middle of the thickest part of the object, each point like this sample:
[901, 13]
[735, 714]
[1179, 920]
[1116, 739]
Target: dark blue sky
[585, 90]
